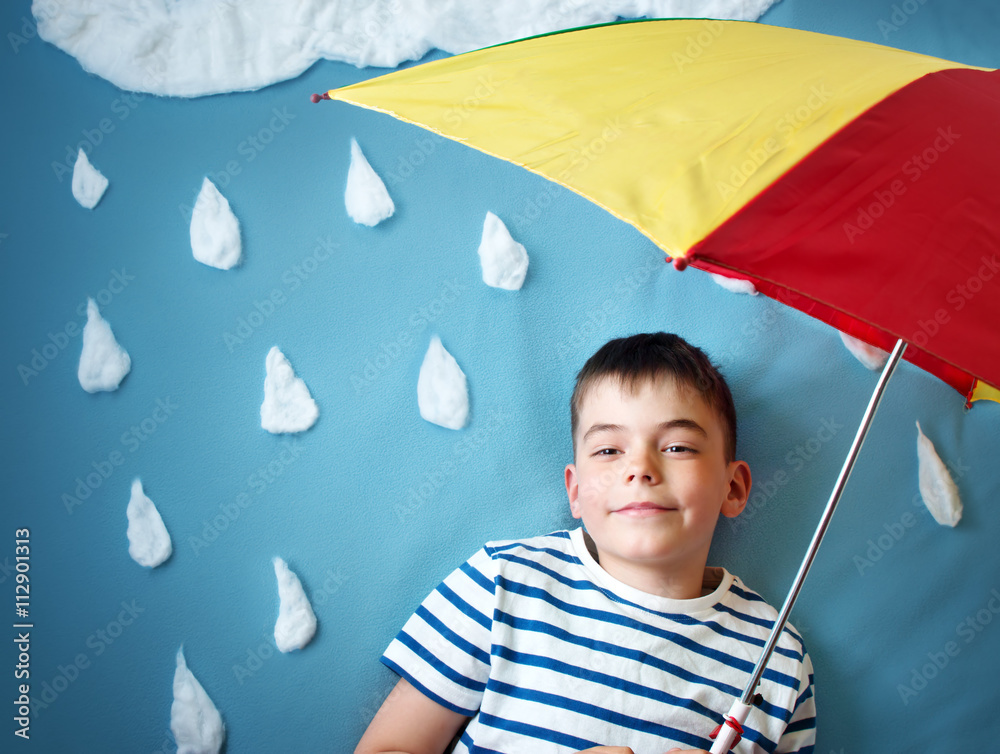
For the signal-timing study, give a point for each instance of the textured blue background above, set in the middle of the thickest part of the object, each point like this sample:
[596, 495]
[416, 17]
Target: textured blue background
[338, 501]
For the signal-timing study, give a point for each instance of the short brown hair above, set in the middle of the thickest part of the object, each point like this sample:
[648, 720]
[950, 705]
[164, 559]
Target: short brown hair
[652, 356]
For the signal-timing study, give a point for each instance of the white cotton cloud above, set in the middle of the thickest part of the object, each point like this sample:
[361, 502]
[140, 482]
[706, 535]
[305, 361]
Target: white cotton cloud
[504, 260]
[103, 363]
[736, 285]
[89, 183]
[936, 485]
[194, 720]
[296, 624]
[215, 231]
[148, 541]
[872, 357]
[190, 49]
[442, 391]
[287, 406]
[367, 200]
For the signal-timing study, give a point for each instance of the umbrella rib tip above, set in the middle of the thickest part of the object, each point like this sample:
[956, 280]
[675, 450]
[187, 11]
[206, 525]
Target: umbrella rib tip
[680, 263]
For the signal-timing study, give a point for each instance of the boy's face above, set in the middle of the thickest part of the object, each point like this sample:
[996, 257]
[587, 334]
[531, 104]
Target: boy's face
[651, 478]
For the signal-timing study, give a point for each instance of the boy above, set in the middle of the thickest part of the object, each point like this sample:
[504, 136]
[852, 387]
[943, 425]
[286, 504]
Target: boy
[614, 637]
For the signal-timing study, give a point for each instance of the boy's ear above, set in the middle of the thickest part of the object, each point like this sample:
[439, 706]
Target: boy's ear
[573, 490]
[739, 489]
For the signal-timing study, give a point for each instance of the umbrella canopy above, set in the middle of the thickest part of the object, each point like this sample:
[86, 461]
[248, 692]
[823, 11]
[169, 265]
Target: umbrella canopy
[852, 181]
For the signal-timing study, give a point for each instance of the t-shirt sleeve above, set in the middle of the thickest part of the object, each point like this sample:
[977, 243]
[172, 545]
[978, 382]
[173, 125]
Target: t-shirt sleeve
[800, 733]
[444, 648]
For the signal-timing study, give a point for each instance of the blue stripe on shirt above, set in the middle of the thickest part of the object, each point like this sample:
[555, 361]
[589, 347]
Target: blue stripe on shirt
[604, 679]
[514, 587]
[477, 576]
[524, 624]
[590, 710]
[458, 641]
[713, 717]
[442, 668]
[423, 689]
[586, 585]
[534, 731]
[464, 607]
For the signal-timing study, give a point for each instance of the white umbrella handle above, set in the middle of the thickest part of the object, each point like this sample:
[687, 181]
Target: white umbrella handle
[729, 733]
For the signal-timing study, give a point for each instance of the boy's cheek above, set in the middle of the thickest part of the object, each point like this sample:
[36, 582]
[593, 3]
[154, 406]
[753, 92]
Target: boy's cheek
[594, 490]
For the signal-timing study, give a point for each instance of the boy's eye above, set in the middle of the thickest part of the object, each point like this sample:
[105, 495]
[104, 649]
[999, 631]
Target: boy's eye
[678, 449]
[607, 452]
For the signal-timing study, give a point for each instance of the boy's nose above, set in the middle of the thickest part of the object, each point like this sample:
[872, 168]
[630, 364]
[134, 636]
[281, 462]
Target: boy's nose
[641, 469]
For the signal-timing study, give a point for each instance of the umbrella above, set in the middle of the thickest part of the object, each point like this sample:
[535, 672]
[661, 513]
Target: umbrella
[852, 181]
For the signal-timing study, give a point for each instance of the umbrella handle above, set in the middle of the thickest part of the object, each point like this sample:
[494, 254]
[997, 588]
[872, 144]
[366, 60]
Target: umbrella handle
[729, 733]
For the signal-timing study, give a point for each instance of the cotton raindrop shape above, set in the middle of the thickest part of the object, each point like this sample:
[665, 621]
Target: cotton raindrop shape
[287, 406]
[215, 231]
[296, 622]
[736, 285]
[367, 200]
[194, 720]
[89, 184]
[442, 391]
[148, 541]
[504, 260]
[872, 357]
[936, 485]
[103, 363]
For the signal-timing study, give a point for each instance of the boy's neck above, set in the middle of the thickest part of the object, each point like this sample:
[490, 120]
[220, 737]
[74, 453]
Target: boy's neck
[679, 582]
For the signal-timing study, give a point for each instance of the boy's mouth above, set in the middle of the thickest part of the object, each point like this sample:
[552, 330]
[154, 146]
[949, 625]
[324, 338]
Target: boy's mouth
[643, 508]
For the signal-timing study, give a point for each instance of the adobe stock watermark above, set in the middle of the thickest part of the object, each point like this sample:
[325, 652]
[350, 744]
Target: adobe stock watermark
[41, 11]
[968, 630]
[389, 352]
[375, 24]
[247, 150]
[580, 159]
[485, 88]
[263, 650]
[6, 570]
[168, 745]
[229, 512]
[698, 43]
[754, 328]
[796, 459]
[407, 165]
[900, 16]
[56, 342]
[958, 296]
[893, 531]
[132, 439]
[881, 200]
[784, 128]
[121, 107]
[596, 318]
[424, 491]
[292, 278]
[97, 643]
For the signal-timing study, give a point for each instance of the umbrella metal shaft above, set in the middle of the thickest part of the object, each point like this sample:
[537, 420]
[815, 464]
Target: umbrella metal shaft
[824, 522]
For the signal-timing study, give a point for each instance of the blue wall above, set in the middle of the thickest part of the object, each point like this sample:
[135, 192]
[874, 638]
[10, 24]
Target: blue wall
[342, 502]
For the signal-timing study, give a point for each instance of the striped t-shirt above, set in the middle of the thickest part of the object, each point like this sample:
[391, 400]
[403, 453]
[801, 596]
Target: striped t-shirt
[549, 653]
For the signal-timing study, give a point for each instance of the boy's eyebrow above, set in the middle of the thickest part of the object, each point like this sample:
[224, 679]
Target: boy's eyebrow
[596, 428]
[662, 427]
[683, 424]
